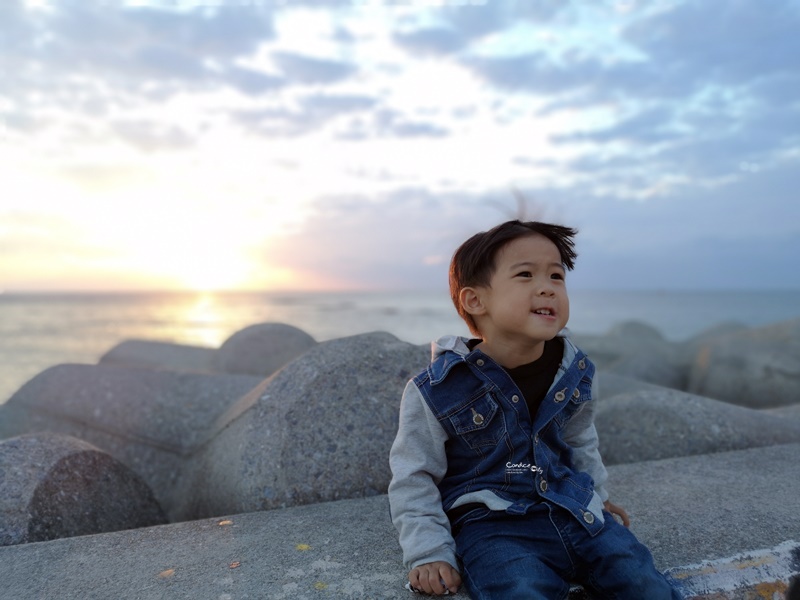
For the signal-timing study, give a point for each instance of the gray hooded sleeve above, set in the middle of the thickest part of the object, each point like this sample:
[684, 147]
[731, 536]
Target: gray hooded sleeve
[418, 464]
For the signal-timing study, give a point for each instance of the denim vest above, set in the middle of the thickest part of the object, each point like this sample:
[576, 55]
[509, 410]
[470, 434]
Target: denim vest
[492, 443]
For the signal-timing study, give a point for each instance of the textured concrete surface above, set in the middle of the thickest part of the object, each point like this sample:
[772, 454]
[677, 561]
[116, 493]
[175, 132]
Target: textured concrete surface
[758, 368]
[637, 350]
[687, 510]
[149, 420]
[320, 429]
[160, 355]
[54, 486]
[664, 423]
[262, 349]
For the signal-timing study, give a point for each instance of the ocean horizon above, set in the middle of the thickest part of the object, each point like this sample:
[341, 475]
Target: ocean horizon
[41, 329]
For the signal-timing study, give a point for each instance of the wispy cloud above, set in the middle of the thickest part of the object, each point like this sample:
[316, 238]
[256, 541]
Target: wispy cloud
[353, 141]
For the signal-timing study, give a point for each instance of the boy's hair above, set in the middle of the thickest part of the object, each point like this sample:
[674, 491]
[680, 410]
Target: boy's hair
[474, 264]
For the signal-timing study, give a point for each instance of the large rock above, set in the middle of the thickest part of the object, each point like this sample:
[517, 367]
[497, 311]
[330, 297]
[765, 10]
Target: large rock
[149, 420]
[262, 349]
[638, 351]
[621, 340]
[655, 424]
[56, 486]
[160, 355]
[609, 384]
[758, 368]
[715, 331]
[320, 429]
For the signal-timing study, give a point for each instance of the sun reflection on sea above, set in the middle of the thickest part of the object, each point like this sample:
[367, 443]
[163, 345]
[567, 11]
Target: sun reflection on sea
[206, 319]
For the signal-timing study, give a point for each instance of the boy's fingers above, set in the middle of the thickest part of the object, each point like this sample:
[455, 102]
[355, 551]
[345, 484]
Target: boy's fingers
[451, 578]
[434, 584]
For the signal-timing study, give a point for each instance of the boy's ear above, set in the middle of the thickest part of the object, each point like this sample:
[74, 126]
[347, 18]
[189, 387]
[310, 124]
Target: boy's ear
[471, 301]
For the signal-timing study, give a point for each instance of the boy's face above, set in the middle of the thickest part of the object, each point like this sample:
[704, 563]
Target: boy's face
[526, 300]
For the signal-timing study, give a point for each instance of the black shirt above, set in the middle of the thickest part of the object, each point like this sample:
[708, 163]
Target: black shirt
[535, 378]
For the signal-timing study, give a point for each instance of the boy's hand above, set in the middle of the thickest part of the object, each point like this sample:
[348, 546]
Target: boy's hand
[618, 511]
[428, 578]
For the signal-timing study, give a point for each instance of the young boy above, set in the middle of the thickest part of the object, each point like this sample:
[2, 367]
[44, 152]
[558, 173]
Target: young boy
[495, 468]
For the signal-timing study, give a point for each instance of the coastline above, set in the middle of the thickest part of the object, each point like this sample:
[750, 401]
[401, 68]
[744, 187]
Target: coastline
[42, 330]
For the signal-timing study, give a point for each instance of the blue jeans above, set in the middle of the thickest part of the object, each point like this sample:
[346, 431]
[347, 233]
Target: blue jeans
[538, 554]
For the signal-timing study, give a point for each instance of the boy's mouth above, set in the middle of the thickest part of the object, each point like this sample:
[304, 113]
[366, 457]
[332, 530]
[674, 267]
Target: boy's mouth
[547, 312]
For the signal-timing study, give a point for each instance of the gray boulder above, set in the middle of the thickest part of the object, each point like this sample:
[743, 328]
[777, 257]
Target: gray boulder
[664, 365]
[262, 349]
[791, 412]
[149, 420]
[609, 384]
[655, 424]
[160, 355]
[714, 332]
[636, 331]
[320, 429]
[757, 368]
[638, 351]
[56, 486]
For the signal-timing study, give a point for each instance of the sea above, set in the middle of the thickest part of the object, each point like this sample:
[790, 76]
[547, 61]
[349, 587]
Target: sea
[44, 329]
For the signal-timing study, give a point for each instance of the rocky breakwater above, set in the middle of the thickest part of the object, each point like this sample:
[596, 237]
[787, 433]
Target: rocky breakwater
[208, 443]
[319, 429]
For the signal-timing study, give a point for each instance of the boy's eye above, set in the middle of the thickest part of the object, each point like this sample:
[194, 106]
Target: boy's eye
[524, 274]
[558, 276]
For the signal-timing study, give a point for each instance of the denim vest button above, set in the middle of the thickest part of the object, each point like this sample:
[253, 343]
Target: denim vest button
[479, 362]
[515, 398]
[535, 438]
[582, 364]
[543, 485]
[560, 396]
[576, 394]
[588, 517]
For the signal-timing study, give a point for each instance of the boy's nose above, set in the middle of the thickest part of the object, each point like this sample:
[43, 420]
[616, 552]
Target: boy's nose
[546, 290]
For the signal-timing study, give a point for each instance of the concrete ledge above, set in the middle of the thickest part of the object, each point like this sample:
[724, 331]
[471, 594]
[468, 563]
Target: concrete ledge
[687, 510]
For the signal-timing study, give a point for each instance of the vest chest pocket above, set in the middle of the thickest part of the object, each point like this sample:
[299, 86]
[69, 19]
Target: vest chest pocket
[579, 395]
[479, 423]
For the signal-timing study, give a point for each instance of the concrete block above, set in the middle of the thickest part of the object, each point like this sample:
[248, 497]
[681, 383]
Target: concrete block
[319, 429]
[757, 368]
[638, 351]
[160, 355]
[655, 424]
[54, 486]
[149, 420]
[610, 384]
[262, 349]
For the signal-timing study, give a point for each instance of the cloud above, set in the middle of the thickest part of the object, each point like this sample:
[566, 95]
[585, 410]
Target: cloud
[739, 235]
[309, 70]
[458, 26]
[251, 81]
[124, 47]
[534, 72]
[28, 236]
[313, 112]
[431, 40]
[720, 43]
[149, 136]
[646, 127]
[327, 105]
[390, 123]
[382, 241]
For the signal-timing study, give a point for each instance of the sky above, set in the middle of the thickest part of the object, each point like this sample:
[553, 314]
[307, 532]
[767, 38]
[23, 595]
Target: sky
[353, 144]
